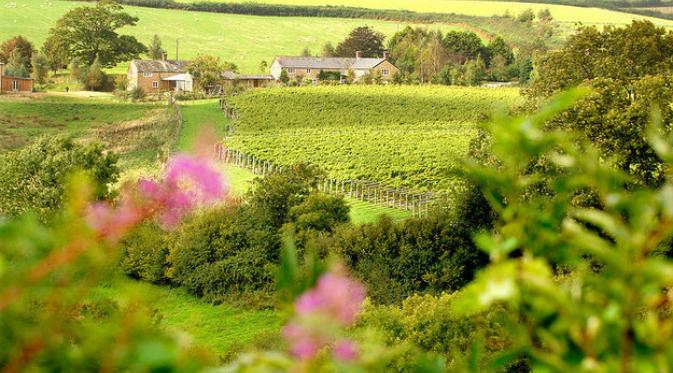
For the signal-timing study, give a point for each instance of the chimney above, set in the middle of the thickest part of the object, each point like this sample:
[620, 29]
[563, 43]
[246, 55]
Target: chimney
[358, 54]
[386, 55]
[164, 56]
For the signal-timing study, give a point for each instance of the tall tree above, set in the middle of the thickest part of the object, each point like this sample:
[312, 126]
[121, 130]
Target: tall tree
[306, 52]
[90, 32]
[21, 45]
[463, 45]
[95, 77]
[498, 47]
[56, 54]
[363, 39]
[40, 67]
[629, 70]
[207, 71]
[263, 66]
[328, 50]
[155, 51]
[17, 65]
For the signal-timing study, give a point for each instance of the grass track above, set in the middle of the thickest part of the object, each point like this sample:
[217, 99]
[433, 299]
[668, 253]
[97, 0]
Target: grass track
[221, 328]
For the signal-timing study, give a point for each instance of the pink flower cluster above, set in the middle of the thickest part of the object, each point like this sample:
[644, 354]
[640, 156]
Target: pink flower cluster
[336, 300]
[189, 183]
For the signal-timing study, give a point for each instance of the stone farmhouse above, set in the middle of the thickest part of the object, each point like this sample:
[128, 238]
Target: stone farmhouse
[158, 76]
[311, 67]
[11, 84]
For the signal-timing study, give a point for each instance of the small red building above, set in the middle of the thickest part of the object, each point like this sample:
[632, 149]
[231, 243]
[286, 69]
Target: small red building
[11, 84]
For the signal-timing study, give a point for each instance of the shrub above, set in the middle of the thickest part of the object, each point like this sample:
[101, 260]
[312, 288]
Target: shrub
[317, 216]
[222, 251]
[33, 177]
[144, 253]
[398, 259]
[427, 323]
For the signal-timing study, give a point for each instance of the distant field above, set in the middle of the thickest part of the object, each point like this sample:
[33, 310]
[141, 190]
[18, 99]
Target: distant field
[562, 13]
[244, 40]
[402, 136]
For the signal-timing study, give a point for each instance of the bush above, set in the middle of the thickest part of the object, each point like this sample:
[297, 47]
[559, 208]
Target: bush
[427, 323]
[144, 253]
[33, 177]
[317, 216]
[222, 251]
[397, 259]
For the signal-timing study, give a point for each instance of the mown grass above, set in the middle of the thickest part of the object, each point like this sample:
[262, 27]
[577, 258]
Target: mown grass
[243, 40]
[562, 13]
[221, 328]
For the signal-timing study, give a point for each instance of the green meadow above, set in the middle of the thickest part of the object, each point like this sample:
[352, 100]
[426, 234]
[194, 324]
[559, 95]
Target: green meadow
[243, 40]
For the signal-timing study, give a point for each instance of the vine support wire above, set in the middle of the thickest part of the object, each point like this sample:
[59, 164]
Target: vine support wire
[419, 204]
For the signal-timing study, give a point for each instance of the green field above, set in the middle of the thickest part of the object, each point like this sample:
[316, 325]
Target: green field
[221, 328]
[407, 136]
[243, 40]
[562, 13]
[23, 119]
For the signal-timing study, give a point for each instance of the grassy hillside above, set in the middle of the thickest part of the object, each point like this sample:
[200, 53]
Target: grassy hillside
[403, 136]
[24, 119]
[244, 40]
[562, 13]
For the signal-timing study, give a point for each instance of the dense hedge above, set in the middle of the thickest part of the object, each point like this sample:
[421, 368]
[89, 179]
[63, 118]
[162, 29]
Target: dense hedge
[144, 252]
[426, 322]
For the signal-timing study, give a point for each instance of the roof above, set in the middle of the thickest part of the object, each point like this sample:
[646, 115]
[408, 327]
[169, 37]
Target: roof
[230, 75]
[367, 63]
[179, 77]
[341, 63]
[167, 66]
[316, 62]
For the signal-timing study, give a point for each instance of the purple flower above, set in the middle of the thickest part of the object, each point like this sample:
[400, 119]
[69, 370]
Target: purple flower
[204, 181]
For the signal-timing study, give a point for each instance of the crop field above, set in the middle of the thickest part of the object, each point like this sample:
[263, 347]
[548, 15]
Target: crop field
[562, 13]
[402, 136]
[243, 40]
[205, 115]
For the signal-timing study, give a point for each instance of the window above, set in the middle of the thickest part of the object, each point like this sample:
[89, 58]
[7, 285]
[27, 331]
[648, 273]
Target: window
[308, 71]
[147, 74]
[290, 70]
[15, 85]
[155, 84]
[385, 72]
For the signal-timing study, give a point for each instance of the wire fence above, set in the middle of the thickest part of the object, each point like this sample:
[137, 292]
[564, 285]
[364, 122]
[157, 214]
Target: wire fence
[377, 193]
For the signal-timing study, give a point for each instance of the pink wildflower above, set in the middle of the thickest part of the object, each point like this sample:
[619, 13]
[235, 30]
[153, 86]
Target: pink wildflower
[345, 350]
[112, 223]
[336, 299]
[205, 181]
[335, 295]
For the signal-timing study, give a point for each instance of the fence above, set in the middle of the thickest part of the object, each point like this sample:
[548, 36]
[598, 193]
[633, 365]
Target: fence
[419, 204]
[178, 120]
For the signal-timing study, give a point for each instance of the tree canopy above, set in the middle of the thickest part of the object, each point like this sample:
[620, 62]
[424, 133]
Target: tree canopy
[628, 69]
[155, 50]
[362, 39]
[19, 44]
[91, 31]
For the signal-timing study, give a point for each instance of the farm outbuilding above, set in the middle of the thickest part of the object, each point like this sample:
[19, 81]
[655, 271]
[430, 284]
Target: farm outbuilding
[247, 80]
[313, 67]
[13, 84]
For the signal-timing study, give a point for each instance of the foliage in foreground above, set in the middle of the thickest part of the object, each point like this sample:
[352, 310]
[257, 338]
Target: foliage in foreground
[585, 287]
[33, 178]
